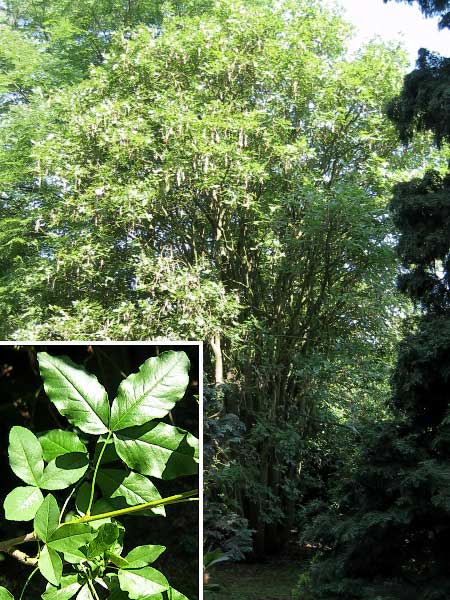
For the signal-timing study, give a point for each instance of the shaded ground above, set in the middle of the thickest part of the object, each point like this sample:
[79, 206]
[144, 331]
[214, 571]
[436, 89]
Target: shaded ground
[269, 581]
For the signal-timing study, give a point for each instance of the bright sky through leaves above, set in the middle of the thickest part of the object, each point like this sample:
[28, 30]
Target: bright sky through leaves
[394, 21]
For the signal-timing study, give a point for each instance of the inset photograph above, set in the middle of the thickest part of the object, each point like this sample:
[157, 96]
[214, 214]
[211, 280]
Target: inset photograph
[99, 459]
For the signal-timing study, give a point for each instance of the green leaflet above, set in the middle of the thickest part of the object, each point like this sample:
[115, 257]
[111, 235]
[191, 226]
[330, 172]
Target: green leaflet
[26, 459]
[58, 442]
[82, 498]
[107, 534]
[116, 593]
[142, 556]
[175, 595]
[69, 587]
[152, 392]
[50, 565]
[74, 556]
[70, 537]
[46, 520]
[128, 489]
[5, 595]
[25, 455]
[63, 471]
[142, 582]
[22, 503]
[158, 449]
[117, 560]
[77, 394]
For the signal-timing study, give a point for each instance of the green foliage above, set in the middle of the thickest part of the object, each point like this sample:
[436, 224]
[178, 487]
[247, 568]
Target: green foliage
[90, 542]
[209, 181]
[151, 393]
[386, 535]
[46, 520]
[421, 106]
[221, 172]
[75, 393]
[22, 503]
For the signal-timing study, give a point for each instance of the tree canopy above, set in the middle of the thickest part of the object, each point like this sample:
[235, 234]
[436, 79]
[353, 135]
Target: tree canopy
[217, 171]
[386, 535]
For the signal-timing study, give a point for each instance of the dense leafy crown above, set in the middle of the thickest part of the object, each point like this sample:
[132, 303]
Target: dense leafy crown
[203, 167]
[133, 445]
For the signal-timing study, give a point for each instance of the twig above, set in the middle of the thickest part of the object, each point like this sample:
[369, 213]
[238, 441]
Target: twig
[23, 558]
[9, 545]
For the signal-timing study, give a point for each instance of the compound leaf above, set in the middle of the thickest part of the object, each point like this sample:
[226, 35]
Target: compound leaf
[69, 587]
[152, 392]
[142, 582]
[77, 394]
[50, 565]
[64, 470]
[22, 503]
[46, 520]
[158, 449]
[128, 490]
[58, 442]
[25, 455]
[70, 537]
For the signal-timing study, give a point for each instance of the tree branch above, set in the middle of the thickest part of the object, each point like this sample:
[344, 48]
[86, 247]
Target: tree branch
[9, 547]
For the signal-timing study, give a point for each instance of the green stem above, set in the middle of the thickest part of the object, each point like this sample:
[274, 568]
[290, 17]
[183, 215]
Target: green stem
[92, 588]
[100, 456]
[184, 497]
[28, 581]
[61, 515]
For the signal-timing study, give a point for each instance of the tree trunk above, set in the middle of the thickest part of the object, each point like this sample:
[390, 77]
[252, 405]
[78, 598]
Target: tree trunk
[218, 359]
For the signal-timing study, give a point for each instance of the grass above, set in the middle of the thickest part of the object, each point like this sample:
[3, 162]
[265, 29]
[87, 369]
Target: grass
[270, 581]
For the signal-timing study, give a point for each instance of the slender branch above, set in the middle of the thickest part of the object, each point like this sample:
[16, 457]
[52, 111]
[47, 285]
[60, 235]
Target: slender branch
[65, 504]
[93, 590]
[9, 545]
[99, 460]
[27, 582]
[30, 561]
[184, 497]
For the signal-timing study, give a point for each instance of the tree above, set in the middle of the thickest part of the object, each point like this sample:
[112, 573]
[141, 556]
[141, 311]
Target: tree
[223, 177]
[387, 534]
[76, 35]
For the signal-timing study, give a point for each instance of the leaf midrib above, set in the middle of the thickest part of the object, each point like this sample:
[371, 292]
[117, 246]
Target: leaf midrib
[47, 506]
[143, 500]
[69, 379]
[36, 480]
[142, 397]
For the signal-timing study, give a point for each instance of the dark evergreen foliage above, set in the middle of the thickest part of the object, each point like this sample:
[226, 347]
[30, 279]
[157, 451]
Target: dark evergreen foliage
[424, 103]
[387, 537]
